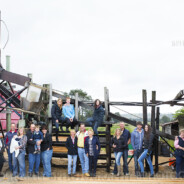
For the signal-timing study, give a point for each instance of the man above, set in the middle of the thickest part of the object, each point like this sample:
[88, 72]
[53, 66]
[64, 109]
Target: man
[7, 140]
[136, 141]
[1, 157]
[126, 135]
[33, 158]
[69, 114]
[82, 135]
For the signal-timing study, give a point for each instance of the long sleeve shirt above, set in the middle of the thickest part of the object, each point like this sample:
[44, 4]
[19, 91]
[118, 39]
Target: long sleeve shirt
[176, 143]
[68, 111]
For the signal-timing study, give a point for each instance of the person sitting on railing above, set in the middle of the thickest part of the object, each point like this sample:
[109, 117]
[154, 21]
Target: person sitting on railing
[69, 115]
[56, 113]
[71, 145]
[1, 157]
[118, 143]
[179, 152]
[92, 150]
[96, 120]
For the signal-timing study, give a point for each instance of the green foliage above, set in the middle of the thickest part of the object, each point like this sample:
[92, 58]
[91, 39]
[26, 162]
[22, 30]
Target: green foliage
[165, 119]
[178, 113]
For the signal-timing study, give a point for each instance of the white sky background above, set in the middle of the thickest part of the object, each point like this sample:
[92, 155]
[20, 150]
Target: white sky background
[125, 45]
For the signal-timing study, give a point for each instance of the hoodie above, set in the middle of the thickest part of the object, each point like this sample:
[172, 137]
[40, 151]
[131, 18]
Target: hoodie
[137, 139]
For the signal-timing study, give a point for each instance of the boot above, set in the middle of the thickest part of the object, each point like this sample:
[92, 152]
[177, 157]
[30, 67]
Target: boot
[57, 136]
[119, 170]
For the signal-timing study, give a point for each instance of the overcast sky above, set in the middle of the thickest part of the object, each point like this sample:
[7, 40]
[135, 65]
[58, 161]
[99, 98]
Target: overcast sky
[126, 45]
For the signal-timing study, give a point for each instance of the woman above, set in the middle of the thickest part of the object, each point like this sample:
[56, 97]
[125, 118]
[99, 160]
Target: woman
[18, 149]
[96, 120]
[147, 147]
[92, 150]
[71, 145]
[56, 113]
[179, 152]
[46, 152]
[118, 144]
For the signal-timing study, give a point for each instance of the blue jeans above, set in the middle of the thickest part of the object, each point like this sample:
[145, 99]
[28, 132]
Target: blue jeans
[37, 148]
[92, 164]
[70, 157]
[46, 160]
[94, 124]
[10, 160]
[179, 166]
[34, 159]
[148, 158]
[19, 162]
[118, 156]
[137, 153]
[84, 160]
[125, 163]
[61, 120]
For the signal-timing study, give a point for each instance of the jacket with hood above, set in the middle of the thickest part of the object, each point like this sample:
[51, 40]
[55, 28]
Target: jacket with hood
[98, 114]
[137, 139]
[56, 112]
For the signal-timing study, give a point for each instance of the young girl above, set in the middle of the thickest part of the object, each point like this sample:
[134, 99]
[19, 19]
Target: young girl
[92, 150]
[147, 146]
[71, 145]
[118, 144]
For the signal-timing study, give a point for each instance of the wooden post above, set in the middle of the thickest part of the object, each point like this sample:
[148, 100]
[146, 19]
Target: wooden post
[77, 109]
[48, 97]
[144, 98]
[157, 140]
[108, 129]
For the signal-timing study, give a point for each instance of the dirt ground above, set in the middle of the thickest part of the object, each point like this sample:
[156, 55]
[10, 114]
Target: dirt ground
[165, 175]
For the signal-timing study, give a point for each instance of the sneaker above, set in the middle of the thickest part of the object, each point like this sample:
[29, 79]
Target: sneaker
[127, 174]
[74, 174]
[94, 175]
[152, 175]
[1, 175]
[30, 174]
[69, 175]
[87, 175]
[113, 173]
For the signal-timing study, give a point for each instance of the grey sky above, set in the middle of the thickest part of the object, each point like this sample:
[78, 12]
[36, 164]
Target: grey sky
[124, 45]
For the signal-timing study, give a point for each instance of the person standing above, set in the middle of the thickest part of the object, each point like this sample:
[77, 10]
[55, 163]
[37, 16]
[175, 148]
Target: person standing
[7, 140]
[92, 150]
[96, 120]
[57, 118]
[118, 145]
[71, 145]
[147, 146]
[69, 115]
[136, 141]
[179, 152]
[46, 152]
[34, 159]
[19, 158]
[84, 160]
[1, 157]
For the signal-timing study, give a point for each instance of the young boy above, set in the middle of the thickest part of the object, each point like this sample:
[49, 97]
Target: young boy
[37, 136]
[92, 150]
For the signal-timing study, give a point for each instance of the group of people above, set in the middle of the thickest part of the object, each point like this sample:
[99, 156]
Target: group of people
[38, 145]
[65, 114]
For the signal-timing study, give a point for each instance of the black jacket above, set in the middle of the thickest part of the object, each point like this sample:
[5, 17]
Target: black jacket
[98, 114]
[148, 143]
[72, 148]
[30, 143]
[120, 144]
[56, 112]
[47, 142]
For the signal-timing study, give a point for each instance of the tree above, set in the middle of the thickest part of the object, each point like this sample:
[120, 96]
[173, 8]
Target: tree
[165, 119]
[178, 113]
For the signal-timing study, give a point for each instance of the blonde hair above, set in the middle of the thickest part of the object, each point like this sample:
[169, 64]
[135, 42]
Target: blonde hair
[18, 133]
[181, 131]
[91, 130]
[60, 105]
[72, 130]
[115, 134]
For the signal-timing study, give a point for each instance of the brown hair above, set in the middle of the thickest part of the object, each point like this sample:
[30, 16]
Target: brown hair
[117, 129]
[95, 103]
[18, 133]
[147, 133]
[60, 106]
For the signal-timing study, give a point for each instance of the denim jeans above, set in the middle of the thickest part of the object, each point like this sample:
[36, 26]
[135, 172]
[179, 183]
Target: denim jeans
[61, 120]
[148, 158]
[34, 159]
[92, 164]
[70, 157]
[19, 162]
[1, 161]
[94, 124]
[125, 163]
[179, 166]
[118, 156]
[137, 154]
[46, 160]
[84, 160]
[10, 160]
[37, 148]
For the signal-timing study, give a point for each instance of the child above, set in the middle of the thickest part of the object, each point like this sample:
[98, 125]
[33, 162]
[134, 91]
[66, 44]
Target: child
[37, 136]
[92, 150]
